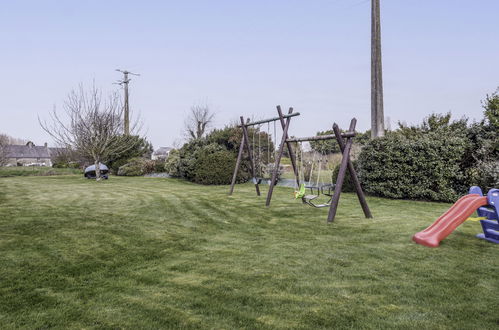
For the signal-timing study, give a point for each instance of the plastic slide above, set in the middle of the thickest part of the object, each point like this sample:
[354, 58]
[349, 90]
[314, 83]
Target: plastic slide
[450, 220]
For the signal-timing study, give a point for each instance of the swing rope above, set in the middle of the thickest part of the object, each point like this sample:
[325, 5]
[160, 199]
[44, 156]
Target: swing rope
[259, 152]
[301, 190]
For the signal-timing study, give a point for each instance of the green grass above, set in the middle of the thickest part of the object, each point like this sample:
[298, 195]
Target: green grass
[160, 253]
[36, 171]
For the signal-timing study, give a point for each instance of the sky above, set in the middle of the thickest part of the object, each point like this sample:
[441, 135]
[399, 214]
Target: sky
[243, 58]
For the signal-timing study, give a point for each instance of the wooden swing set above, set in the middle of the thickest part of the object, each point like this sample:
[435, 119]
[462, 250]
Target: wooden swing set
[345, 141]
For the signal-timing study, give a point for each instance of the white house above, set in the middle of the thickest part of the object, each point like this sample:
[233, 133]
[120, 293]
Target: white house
[161, 153]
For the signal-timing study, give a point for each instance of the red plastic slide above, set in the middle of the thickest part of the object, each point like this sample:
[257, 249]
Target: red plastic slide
[450, 220]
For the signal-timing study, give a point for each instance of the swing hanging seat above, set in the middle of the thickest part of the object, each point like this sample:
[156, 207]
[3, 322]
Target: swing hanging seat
[308, 199]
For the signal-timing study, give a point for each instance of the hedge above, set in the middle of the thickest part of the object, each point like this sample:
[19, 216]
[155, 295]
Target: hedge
[347, 184]
[427, 167]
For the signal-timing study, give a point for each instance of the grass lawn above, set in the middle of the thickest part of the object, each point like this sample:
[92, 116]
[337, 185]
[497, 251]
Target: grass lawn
[160, 253]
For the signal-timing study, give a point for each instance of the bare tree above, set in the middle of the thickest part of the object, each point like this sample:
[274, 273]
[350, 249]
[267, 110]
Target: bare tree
[93, 127]
[199, 120]
[4, 141]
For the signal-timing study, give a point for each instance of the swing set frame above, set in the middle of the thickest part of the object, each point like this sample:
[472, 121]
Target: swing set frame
[285, 120]
[345, 141]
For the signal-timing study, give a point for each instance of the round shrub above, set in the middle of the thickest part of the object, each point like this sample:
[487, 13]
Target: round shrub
[214, 167]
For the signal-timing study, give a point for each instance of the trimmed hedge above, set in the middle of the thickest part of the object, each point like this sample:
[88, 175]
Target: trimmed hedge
[427, 167]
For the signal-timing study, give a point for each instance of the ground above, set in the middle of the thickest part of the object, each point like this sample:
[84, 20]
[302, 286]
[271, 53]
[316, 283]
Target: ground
[162, 253]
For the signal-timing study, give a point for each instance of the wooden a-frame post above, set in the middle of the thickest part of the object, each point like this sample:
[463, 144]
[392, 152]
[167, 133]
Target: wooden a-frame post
[346, 164]
[279, 155]
[246, 143]
[238, 163]
[250, 155]
[289, 146]
[352, 172]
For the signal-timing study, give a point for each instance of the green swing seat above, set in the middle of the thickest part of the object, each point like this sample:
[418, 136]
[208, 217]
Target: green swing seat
[309, 199]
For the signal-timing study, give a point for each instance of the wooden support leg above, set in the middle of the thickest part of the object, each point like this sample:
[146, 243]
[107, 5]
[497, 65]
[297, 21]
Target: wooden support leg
[238, 163]
[279, 156]
[353, 173]
[289, 146]
[250, 154]
[341, 176]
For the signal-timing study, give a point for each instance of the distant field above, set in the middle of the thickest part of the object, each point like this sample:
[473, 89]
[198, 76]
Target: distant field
[149, 253]
[36, 170]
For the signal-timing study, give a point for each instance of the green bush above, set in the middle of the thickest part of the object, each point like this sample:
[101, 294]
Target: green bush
[136, 167]
[426, 166]
[137, 147]
[172, 163]
[331, 146]
[158, 165]
[214, 167]
[207, 160]
[347, 184]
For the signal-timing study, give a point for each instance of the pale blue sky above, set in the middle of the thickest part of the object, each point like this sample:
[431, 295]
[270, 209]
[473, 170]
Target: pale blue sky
[245, 57]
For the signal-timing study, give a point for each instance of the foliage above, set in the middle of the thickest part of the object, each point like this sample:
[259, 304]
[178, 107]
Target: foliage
[331, 146]
[347, 183]
[67, 158]
[59, 164]
[192, 161]
[137, 147]
[172, 163]
[491, 107]
[229, 137]
[159, 165]
[436, 160]
[214, 165]
[434, 123]
[427, 167]
[137, 167]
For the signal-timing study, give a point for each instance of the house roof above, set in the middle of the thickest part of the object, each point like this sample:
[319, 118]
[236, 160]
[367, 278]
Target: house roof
[162, 151]
[27, 151]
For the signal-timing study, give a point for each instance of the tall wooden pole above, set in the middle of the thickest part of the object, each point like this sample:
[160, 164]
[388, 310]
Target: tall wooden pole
[127, 107]
[377, 113]
[126, 104]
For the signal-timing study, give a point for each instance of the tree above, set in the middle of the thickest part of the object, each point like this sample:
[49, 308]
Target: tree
[4, 141]
[139, 148]
[93, 127]
[199, 120]
[491, 107]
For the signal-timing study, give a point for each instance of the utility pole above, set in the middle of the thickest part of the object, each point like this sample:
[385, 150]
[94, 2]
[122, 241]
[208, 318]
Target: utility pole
[124, 83]
[377, 113]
